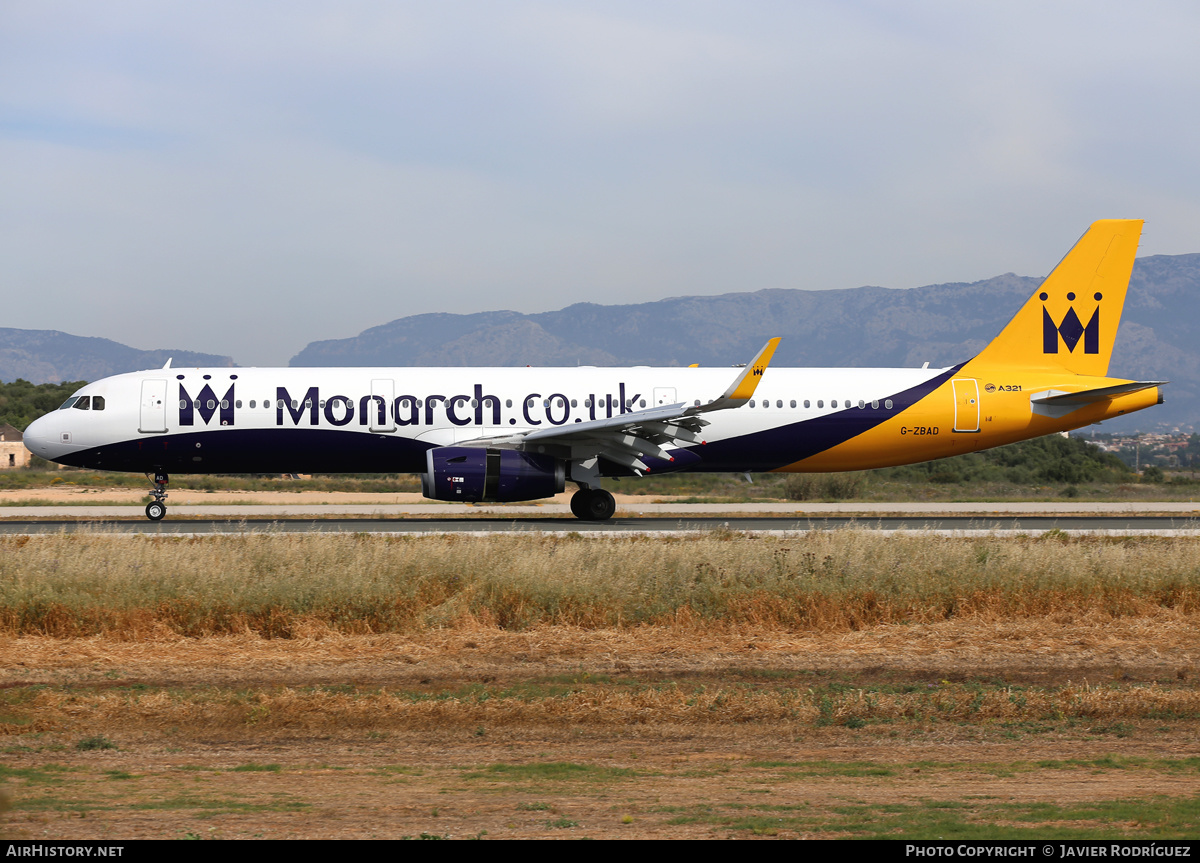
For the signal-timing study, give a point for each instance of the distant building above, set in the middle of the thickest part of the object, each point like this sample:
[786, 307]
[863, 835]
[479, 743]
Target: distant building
[12, 448]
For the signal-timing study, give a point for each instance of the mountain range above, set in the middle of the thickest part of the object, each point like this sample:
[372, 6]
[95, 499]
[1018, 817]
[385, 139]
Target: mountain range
[48, 356]
[858, 327]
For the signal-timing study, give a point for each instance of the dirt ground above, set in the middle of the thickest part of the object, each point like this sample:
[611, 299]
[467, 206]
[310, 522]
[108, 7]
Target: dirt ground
[566, 733]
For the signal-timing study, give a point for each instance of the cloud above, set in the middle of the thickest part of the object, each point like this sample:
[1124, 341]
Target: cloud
[243, 178]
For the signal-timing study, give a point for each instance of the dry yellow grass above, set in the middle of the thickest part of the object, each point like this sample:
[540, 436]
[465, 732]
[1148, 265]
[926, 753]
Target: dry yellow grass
[579, 705]
[288, 585]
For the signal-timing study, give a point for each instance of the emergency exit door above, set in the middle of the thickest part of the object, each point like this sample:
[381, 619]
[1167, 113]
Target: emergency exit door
[383, 417]
[664, 396]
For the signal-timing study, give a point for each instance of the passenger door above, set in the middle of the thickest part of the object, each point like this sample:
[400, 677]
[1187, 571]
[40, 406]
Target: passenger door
[153, 418]
[966, 405]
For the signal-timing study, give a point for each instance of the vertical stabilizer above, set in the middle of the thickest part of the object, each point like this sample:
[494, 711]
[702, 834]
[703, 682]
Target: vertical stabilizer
[1071, 320]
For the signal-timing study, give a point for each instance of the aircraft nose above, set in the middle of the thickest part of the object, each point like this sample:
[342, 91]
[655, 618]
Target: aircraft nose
[40, 436]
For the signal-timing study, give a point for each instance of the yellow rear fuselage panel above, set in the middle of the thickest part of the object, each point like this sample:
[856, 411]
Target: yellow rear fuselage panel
[988, 407]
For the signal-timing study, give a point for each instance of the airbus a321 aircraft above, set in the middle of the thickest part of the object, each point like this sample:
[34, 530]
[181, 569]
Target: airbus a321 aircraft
[511, 434]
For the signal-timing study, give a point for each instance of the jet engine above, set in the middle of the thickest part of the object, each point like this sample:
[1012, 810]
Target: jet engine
[476, 474]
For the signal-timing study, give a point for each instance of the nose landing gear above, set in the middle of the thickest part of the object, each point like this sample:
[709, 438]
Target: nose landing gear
[157, 508]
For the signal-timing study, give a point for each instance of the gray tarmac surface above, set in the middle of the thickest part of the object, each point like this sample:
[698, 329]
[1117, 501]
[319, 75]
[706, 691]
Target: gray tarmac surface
[1163, 518]
[962, 525]
[626, 508]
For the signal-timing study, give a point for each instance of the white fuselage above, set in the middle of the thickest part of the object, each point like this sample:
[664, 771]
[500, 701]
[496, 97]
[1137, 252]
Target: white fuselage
[383, 419]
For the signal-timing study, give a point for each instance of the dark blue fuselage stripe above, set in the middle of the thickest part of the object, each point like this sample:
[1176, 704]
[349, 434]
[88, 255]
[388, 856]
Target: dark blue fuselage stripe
[788, 444]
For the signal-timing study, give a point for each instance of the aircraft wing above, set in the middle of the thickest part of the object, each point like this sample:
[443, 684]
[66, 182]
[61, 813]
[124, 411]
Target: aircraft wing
[626, 438]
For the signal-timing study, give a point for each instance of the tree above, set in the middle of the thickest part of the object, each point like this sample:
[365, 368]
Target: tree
[22, 402]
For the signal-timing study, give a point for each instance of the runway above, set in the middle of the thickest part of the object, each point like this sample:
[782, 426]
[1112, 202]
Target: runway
[972, 525]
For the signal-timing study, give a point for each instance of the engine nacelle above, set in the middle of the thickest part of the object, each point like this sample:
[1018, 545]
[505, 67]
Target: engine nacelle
[475, 474]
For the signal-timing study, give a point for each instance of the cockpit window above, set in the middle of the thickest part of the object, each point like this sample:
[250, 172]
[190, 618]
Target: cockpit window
[83, 403]
[69, 402]
[97, 403]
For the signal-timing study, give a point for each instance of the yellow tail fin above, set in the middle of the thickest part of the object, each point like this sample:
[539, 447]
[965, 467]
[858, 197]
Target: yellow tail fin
[1071, 320]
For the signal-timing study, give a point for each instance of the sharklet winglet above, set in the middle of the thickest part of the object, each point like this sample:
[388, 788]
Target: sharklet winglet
[743, 387]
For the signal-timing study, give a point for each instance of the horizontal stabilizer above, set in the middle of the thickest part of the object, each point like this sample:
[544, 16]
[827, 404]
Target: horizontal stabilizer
[1084, 397]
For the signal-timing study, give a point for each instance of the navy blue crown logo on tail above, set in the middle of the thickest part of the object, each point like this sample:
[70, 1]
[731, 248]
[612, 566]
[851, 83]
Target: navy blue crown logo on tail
[1071, 329]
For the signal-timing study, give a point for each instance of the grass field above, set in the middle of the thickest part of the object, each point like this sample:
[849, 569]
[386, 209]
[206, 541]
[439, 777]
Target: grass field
[279, 585]
[834, 685]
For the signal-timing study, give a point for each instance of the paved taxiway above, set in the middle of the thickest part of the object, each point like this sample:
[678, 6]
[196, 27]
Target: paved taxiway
[1143, 518]
[962, 525]
[625, 508]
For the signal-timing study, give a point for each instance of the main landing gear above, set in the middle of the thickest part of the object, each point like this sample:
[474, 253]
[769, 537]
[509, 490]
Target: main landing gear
[593, 504]
[157, 508]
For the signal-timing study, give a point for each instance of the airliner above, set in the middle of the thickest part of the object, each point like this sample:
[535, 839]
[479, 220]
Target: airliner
[513, 434]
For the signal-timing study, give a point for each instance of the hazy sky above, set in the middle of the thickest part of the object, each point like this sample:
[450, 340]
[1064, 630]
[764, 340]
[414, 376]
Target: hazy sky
[243, 178]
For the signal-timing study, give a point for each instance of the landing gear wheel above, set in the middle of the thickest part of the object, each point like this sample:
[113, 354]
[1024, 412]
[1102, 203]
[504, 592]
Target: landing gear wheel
[593, 504]
[157, 508]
